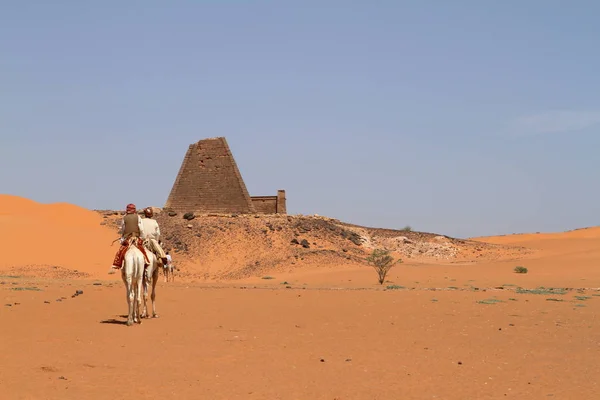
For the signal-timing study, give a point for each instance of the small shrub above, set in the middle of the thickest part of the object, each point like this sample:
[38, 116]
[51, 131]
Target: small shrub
[520, 270]
[581, 298]
[267, 277]
[382, 262]
[541, 290]
[394, 287]
[489, 301]
[407, 228]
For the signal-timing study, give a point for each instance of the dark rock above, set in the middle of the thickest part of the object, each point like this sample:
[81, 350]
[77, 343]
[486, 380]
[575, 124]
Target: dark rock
[189, 216]
[294, 241]
[172, 214]
[305, 244]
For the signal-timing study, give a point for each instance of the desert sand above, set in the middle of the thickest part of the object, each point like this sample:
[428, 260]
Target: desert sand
[254, 315]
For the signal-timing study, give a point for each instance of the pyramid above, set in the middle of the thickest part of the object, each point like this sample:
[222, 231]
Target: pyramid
[209, 181]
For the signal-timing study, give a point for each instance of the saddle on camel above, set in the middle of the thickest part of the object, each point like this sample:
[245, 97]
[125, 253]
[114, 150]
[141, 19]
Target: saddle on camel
[131, 232]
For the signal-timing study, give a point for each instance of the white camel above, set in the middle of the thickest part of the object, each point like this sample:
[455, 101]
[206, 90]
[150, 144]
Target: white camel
[150, 278]
[169, 270]
[133, 275]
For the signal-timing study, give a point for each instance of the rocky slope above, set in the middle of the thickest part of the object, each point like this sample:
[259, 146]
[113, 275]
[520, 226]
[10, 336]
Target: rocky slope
[226, 247]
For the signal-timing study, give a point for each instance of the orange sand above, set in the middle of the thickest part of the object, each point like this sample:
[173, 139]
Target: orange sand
[309, 333]
[57, 234]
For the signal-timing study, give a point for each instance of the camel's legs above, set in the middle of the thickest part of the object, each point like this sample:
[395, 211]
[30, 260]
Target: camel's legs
[153, 295]
[130, 298]
[145, 290]
[138, 298]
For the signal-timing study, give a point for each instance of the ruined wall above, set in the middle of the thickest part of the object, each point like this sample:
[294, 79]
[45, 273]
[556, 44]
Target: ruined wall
[270, 204]
[281, 202]
[209, 181]
[265, 204]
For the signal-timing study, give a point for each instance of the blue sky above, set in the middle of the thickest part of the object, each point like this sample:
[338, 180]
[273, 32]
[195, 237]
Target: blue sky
[457, 117]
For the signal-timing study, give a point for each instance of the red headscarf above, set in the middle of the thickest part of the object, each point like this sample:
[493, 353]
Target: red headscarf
[130, 208]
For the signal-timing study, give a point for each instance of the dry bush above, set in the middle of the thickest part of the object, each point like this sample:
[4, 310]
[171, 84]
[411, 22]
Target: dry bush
[382, 261]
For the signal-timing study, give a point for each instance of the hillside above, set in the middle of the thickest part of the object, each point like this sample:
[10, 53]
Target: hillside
[225, 247]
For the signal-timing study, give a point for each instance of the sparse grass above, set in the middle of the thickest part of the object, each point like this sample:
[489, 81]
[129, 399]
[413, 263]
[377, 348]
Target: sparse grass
[452, 287]
[512, 299]
[520, 270]
[579, 305]
[10, 276]
[553, 299]
[267, 277]
[27, 288]
[582, 298]
[489, 301]
[541, 290]
[434, 300]
[394, 287]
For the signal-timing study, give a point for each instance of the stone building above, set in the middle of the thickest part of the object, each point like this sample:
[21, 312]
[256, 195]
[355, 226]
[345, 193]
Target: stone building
[209, 181]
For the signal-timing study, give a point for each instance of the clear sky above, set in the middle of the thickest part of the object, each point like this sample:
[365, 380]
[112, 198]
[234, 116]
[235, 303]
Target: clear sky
[457, 117]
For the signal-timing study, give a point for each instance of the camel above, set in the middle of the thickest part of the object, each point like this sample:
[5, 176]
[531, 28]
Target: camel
[169, 270]
[150, 278]
[132, 273]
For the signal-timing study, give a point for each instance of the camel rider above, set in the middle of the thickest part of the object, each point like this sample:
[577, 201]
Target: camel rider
[152, 233]
[131, 230]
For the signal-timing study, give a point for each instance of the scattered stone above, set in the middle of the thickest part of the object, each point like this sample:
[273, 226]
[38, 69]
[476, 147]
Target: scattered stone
[305, 244]
[172, 214]
[294, 241]
[460, 363]
[62, 378]
[190, 226]
[322, 360]
[189, 216]
[46, 301]
[8, 305]
[97, 284]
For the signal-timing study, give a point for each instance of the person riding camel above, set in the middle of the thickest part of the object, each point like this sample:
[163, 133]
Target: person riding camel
[132, 230]
[152, 233]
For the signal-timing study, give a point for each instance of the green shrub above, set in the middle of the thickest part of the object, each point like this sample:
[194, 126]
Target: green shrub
[520, 270]
[382, 262]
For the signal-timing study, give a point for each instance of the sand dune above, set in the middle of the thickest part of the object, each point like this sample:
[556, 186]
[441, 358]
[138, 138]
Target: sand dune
[59, 234]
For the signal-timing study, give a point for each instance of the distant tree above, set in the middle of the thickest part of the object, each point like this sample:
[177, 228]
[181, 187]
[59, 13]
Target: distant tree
[407, 228]
[382, 261]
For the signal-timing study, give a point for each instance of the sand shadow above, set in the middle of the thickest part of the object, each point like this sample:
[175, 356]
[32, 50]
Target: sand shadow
[116, 321]
[113, 321]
